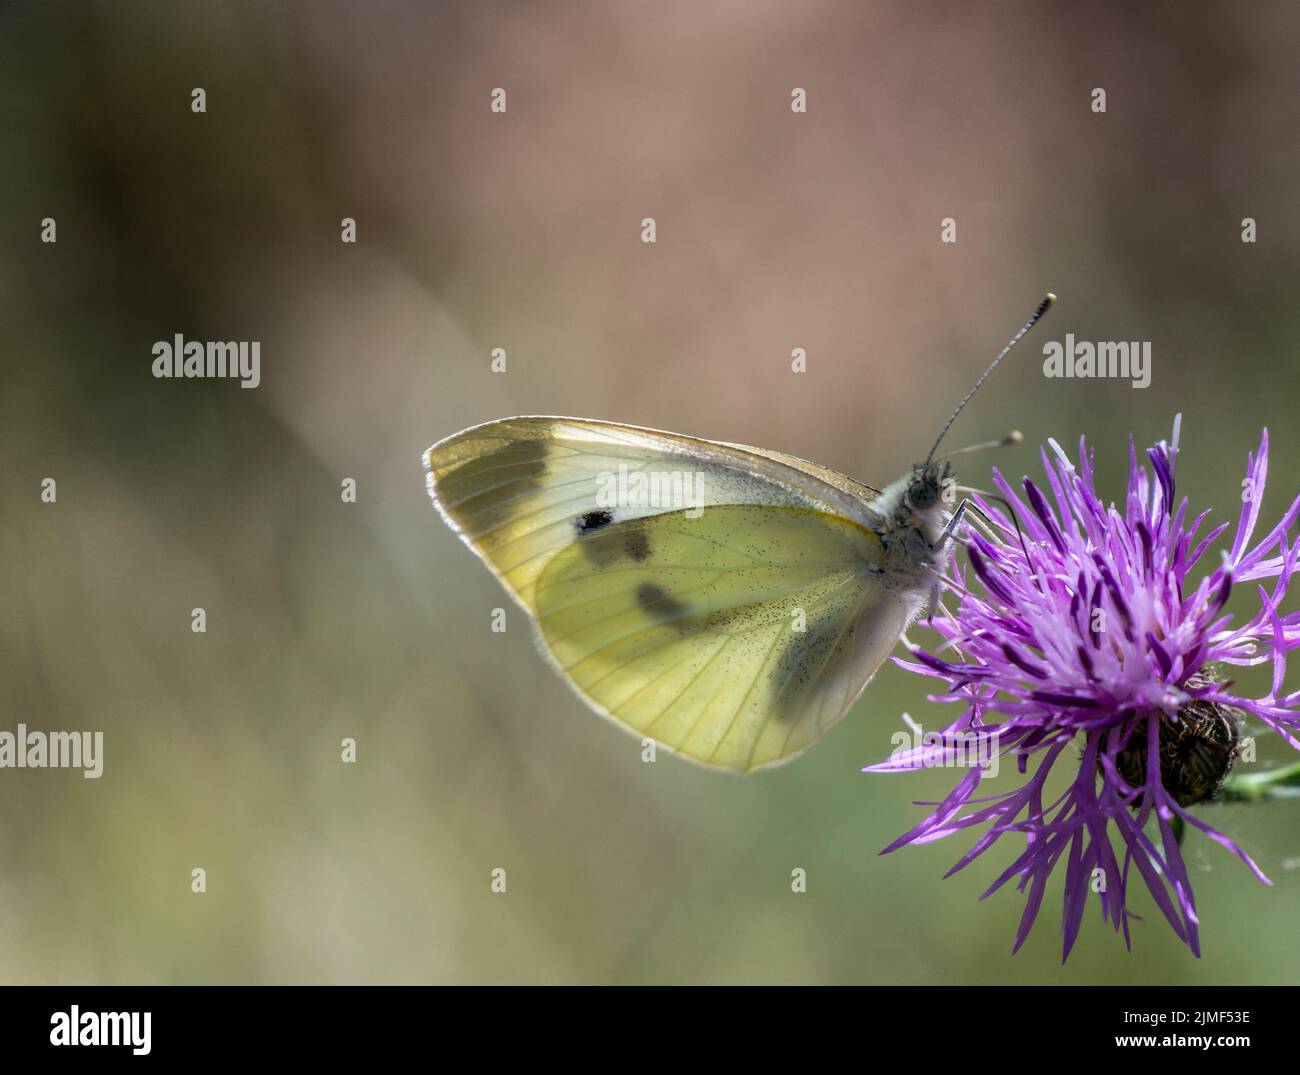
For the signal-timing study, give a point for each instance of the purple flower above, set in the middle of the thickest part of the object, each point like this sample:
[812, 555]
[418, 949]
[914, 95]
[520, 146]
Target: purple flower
[1090, 646]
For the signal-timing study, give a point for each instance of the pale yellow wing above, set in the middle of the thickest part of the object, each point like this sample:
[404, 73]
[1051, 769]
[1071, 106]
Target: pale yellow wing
[736, 638]
[735, 629]
[850, 487]
[513, 489]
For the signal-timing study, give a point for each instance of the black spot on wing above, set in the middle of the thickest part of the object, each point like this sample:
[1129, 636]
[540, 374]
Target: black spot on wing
[656, 601]
[593, 521]
[637, 545]
[604, 543]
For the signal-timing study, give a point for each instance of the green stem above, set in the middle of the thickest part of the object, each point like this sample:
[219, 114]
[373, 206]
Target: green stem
[1274, 784]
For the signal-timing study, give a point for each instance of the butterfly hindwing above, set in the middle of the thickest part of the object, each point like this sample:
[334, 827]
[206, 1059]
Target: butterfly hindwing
[729, 637]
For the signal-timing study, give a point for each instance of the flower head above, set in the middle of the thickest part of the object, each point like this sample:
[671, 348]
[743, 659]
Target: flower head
[1087, 644]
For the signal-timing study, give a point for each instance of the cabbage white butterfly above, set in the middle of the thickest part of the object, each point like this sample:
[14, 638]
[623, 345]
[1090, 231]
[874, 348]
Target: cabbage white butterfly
[728, 602]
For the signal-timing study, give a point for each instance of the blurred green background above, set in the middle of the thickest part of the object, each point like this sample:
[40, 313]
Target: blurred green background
[478, 230]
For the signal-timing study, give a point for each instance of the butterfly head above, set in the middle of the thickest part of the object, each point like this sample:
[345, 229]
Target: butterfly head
[926, 489]
[916, 509]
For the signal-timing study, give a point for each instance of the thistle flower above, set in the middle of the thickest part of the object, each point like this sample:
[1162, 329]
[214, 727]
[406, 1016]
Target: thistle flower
[1088, 646]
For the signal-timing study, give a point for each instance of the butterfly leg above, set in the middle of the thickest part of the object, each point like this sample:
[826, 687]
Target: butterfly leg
[935, 592]
[962, 508]
[937, 587]
[970, 505]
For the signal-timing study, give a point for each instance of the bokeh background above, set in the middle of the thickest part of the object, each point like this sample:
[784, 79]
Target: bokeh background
[478, 230]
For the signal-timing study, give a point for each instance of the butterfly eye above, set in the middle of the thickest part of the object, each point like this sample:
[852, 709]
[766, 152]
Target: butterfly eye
[922, 495]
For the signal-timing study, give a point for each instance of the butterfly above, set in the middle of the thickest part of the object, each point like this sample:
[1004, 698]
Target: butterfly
[728, 602]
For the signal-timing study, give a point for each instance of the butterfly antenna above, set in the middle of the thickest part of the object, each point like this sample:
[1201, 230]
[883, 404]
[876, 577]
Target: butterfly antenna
[1014, 437]
[1047, 301]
